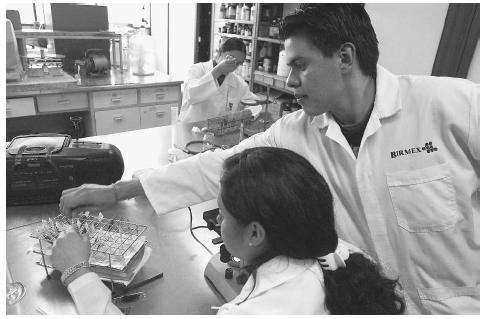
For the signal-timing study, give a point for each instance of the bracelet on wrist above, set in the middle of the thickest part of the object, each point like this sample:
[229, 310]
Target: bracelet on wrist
[116, 191]
[73, 269]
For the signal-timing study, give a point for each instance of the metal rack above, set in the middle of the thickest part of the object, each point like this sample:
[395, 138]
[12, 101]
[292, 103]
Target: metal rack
[114, 242]
[228, 123]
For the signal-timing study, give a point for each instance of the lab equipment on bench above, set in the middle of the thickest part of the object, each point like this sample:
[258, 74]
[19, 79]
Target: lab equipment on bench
[224, 272]
[118, 247]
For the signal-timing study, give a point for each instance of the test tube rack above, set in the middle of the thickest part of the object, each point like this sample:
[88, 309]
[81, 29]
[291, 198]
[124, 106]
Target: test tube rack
[111, 238]
[228, 123]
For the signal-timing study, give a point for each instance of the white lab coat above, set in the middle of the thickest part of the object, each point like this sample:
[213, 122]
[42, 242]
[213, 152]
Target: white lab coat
[284, 286]
[203, 98]
[412, 206]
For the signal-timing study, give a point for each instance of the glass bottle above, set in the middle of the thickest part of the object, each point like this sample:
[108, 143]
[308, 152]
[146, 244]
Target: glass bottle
[232, 11]
[222, 11]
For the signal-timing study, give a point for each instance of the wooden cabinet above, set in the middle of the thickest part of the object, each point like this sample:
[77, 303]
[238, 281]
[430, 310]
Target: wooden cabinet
[104, 107]
[118, 110]
[118, 120]
[20, 107]
[114, 98]
[155, 115]
[62, 102]
[159, 94]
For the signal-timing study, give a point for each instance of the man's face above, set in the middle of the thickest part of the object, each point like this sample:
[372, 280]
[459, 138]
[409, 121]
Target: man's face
[315, 79]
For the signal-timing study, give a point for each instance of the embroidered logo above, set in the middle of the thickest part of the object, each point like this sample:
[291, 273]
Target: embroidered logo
[428, 147]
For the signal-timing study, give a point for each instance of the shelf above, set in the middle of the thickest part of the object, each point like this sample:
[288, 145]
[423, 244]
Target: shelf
[235, 21]
[230, 35]
[270, 40]
[26, 34]
[272, 81]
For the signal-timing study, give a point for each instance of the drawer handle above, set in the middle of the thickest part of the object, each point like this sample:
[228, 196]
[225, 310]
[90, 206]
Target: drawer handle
[115, 99]
[161, 90]
[160, 96]
[160, 113]
[118, 118]
[64, 102]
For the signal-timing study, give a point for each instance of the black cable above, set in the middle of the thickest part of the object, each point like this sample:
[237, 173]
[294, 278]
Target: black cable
[192, 233]
[197, 227]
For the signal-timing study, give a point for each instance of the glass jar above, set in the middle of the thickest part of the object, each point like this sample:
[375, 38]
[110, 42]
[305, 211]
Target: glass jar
[232, 11]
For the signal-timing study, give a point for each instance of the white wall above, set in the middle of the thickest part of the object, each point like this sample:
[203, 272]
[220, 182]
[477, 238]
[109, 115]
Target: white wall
[408, 34]
[160, 35]
[182, 18]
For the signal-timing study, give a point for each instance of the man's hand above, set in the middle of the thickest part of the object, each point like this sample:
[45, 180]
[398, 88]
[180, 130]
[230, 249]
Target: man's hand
[226, 66]
[69, 249]
[86, 195]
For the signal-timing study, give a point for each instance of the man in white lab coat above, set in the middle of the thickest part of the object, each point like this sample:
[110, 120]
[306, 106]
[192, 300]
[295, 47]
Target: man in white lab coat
[211, 88]
[401, 155]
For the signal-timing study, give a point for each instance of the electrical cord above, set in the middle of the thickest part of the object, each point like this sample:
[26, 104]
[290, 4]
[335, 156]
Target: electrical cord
[193, 235]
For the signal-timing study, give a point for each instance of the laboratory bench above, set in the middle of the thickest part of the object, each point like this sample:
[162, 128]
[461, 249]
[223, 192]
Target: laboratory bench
[116, 102]
[182, 290]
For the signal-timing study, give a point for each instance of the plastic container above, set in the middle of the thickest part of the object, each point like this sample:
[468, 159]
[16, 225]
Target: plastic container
[253, 13]
[142, 53]
[283, 68]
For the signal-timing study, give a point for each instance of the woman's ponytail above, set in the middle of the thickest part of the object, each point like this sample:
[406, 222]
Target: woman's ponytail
[360, 288]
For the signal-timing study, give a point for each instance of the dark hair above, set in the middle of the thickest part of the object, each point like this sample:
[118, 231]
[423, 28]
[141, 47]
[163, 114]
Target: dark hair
[284, 193]
[329, 25]
[233, 44]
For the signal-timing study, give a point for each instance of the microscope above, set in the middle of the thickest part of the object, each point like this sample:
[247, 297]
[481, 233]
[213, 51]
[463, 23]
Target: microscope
[224, 272]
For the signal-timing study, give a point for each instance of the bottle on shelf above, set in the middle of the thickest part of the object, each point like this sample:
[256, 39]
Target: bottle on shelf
[232, 11]
[239, 11]
[222, 11]
[228, 8]
[253, 13]
[246, 12]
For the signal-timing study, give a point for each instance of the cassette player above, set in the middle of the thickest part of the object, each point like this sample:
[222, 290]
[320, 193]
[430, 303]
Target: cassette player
[40, 166]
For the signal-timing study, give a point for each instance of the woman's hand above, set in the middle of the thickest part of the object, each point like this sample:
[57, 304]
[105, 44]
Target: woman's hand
[69, 249]
[86, 195]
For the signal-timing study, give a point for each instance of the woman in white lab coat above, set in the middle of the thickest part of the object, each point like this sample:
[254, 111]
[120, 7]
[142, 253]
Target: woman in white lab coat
[277, 216]
[211, 88]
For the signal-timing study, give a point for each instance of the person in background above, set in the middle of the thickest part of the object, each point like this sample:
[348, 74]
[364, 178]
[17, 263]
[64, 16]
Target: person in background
[289, 245]
[212, 89]
[401, 155]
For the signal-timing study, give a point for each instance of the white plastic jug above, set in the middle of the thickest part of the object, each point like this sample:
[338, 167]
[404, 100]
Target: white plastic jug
[142, 53]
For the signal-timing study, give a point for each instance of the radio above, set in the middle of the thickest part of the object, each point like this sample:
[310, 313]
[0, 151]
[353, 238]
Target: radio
[40, 166]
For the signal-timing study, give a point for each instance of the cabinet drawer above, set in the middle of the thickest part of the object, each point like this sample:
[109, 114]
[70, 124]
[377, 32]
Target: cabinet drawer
[20, 107]
[159, 94]
[114, 121]
[61, 102]
[114, 98]
[155, 115]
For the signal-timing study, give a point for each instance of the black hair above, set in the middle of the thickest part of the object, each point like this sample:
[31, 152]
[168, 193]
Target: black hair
[284, 193]
[233, 44]
[329, 25]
